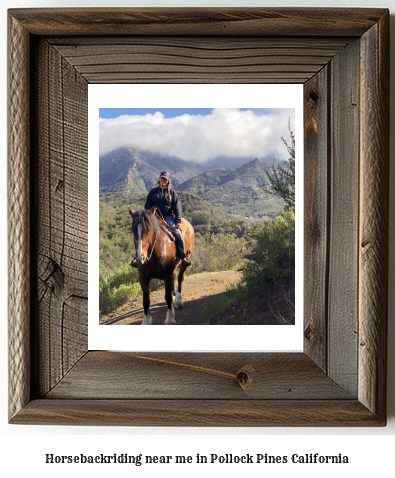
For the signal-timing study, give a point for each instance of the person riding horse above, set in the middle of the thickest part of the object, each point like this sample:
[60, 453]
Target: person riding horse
[166, 200]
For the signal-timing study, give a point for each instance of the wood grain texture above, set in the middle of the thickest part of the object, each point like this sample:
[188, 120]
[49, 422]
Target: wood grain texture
[61, 199]
[259, 22]
[316, 214]
[348, 307]
[202, 413]
[188, 59]
[373, 245]
[18, 218]
[181, 376]
[344, 204]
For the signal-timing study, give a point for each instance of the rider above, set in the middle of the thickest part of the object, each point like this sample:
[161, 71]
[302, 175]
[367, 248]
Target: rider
[166, 200]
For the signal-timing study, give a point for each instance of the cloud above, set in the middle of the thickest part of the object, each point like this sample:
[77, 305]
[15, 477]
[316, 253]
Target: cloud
[225, 132]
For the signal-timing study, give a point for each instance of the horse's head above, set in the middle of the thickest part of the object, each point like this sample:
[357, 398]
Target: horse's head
[144, 231]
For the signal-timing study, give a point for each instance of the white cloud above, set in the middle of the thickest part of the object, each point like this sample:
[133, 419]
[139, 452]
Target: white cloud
[228, 132]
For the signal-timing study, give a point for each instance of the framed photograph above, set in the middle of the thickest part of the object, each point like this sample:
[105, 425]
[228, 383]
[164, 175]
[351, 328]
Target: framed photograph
[218, 159]
[341, 59]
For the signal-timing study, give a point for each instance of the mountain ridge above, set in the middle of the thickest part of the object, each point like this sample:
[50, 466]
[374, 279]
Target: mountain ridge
[135, 171]
[240, 191]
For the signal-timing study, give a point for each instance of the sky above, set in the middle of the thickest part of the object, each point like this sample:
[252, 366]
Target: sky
[197, 134]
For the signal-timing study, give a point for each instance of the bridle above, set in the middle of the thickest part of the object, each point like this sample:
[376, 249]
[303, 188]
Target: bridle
[153, 247]
[160, 226]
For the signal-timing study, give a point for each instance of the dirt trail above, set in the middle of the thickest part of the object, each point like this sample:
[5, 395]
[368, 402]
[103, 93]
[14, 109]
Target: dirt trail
[198, 292]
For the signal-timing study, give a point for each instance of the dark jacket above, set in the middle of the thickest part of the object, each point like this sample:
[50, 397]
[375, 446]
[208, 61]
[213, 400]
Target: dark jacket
[160, 198]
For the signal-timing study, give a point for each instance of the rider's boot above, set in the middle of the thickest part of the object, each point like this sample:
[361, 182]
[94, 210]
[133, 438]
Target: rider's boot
[183, 257]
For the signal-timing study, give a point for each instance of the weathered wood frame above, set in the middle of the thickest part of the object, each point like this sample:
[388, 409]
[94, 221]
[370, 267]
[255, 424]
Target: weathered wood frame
[342, 58]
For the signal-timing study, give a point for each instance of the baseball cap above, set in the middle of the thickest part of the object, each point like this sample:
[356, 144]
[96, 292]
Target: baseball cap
[165, 174]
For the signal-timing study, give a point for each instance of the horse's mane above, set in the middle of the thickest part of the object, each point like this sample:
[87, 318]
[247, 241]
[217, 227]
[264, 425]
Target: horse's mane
[147, 222]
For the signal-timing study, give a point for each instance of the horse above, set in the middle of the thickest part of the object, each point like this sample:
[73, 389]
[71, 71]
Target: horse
[156, 258]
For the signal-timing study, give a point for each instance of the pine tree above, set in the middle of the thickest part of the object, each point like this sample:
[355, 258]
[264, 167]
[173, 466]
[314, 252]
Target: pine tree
[282, 180]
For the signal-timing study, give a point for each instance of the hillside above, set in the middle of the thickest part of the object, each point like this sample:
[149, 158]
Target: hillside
[116, 245]
[238, 191]
[204, 217]
[132, 171]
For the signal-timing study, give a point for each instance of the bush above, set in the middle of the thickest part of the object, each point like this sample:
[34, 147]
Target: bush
[118, 289]
[105, 298]
[227, 251]
[275, 257]
[124, 293]
[126, 274]
[218, 252]
[234, 294]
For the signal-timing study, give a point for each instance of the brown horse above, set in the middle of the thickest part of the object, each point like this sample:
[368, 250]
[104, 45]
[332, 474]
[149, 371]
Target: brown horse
[156, 258]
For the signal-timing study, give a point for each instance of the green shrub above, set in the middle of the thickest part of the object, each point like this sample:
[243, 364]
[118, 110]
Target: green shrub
[105, 298]
[218, 252]
[227, 251]
[124, 293]
[116, 290]
[234, 294]
[126, 274]
[275, 257]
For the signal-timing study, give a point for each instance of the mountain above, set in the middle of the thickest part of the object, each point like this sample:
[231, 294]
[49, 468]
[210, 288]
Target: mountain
[235, 162]
[238, 191]
[134, 172]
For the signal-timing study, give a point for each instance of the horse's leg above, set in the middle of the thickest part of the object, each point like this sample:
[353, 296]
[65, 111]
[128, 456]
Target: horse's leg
[174, 285]
[178, 304]
[147, 319]
[169, 287]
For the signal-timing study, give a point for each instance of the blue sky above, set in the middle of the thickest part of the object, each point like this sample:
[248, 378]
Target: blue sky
[107, 113]
[112, 113]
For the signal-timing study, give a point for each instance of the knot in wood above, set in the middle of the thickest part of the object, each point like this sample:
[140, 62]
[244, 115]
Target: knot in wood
[313, 96]
[309, 332]
[244, 376]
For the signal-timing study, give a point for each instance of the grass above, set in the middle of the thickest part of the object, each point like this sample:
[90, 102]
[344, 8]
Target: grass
[234, 293]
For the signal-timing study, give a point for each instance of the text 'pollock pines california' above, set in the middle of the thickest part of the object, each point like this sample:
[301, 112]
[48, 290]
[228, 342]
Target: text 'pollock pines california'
[213, 458]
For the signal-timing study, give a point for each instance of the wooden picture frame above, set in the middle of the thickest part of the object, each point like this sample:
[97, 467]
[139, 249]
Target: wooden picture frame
[342, 58]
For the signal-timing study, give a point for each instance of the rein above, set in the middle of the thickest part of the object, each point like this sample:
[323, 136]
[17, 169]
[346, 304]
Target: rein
[153, 247]
[162, 224]
[165, 227]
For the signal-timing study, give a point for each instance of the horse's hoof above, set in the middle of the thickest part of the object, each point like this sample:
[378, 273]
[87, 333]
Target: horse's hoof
[178, 301]
[147, 320]
[170, 320]
[170, 317]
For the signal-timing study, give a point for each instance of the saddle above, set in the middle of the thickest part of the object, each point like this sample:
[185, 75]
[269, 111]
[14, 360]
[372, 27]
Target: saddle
[168, 230]
[165, 228]
[171, 233]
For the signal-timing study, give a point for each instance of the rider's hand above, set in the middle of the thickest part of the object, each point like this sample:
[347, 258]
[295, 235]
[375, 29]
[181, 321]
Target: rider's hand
[178, 226]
